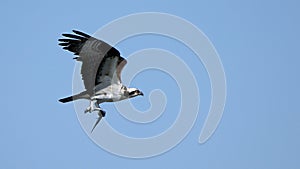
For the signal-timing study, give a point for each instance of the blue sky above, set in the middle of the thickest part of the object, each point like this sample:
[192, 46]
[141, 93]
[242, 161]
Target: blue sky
[257, 42]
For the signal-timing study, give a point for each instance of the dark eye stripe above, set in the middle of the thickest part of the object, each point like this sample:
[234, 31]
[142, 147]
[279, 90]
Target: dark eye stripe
[131, 93]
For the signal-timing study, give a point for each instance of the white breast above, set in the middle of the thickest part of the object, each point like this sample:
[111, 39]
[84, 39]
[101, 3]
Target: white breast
[111, 93]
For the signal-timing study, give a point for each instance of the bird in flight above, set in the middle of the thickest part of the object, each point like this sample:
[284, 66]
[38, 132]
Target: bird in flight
[100, 70]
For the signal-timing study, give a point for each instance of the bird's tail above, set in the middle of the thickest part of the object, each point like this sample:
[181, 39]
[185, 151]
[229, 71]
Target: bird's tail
[82, 95]
[67, 99]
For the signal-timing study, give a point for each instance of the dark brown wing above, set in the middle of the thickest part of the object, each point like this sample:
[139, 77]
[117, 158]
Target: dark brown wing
[109, 71]
[95, 55]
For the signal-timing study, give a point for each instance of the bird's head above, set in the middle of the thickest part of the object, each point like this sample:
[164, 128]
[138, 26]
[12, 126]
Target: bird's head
[134, 92]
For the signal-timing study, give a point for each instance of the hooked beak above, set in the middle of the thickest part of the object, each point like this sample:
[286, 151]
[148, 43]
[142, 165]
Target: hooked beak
[141, 93]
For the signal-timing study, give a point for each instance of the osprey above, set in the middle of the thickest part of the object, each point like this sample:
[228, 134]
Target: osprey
[101, 72]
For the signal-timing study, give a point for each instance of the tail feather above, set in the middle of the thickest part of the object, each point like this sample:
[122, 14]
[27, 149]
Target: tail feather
[67, 99]
[82, 95]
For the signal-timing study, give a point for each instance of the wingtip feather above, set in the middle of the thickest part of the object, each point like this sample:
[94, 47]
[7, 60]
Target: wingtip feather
[81, 33]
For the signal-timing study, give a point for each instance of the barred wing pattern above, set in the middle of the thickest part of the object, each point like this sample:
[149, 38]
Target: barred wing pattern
[100, 61]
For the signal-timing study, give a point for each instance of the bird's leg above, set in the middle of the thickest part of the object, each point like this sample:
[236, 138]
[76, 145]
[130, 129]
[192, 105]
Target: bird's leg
[93, 106]
[89, 109]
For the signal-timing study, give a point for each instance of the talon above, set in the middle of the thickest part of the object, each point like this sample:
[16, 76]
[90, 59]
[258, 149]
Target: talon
[93, 106]
[88, 109]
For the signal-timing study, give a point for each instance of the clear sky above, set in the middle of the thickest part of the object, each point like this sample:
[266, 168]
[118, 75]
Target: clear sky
[258, 44]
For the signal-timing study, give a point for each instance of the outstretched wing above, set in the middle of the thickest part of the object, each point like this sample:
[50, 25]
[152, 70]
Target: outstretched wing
[110, 70]
[100, 61]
